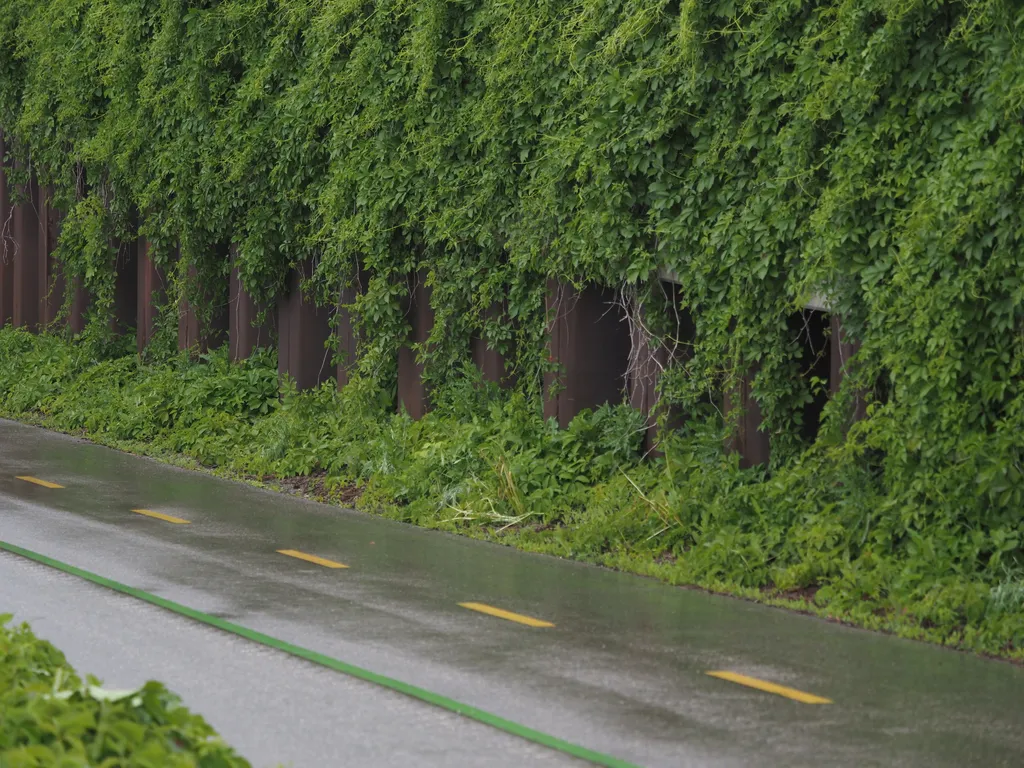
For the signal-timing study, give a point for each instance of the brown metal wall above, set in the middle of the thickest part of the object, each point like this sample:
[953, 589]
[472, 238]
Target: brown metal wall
[80, 301]
[588, 335]
[749, 441]
[126, 293]
[51, 276]
[650, 358]
[7, 246]
[244, 335]
[490, 361]
[413, 394]
[188, 327]
[303, 331]
[151, 291]
[27, 232]
[192, 332]
[589, 339]
[347, 341]
[126, 287]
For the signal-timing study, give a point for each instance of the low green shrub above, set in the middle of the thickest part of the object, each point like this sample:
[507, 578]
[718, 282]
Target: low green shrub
[49, 717]
[848, 529]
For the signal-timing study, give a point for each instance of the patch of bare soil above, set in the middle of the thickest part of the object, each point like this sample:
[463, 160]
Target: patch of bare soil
[314, 487]
[806, 594]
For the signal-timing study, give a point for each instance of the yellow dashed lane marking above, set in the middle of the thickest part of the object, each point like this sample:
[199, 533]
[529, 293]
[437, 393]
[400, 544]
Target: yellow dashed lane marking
[311, 558]
[161, 516]
[490, 610]
[37, 481]
[763, 685]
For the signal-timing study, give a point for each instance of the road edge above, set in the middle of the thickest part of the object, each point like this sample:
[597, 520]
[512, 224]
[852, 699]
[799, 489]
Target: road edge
[438, 700]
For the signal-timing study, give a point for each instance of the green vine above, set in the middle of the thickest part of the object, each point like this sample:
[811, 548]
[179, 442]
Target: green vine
[762, 150]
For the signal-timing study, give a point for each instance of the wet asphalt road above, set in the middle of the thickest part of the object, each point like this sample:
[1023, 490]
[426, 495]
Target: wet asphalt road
[272, 707]
[622, 671]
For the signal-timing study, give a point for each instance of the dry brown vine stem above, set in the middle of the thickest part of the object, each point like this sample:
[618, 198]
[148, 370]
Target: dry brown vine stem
[660, 509]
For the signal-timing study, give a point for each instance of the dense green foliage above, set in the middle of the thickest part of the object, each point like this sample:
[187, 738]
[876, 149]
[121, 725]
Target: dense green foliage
[763, 150]
[484, 464]
[50, 717]
[865, 148]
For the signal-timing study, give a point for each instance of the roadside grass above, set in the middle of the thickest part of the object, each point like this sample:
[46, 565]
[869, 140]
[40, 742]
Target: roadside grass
[827, 533]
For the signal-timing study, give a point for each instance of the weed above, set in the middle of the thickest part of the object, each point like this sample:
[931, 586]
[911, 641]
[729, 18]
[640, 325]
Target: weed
[933, 559]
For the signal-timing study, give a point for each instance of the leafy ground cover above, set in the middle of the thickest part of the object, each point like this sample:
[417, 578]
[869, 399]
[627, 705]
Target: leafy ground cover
[866, 152]
[51, 717]
[938, 559]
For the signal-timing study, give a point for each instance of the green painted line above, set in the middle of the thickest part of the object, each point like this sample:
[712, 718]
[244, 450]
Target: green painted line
[480, 715]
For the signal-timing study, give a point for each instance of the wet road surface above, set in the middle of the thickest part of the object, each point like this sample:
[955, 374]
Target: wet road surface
[613, 662]
[273, 708]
